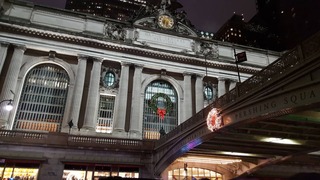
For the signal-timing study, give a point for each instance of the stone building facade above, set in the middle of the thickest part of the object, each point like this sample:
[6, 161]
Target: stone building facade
[85, 76]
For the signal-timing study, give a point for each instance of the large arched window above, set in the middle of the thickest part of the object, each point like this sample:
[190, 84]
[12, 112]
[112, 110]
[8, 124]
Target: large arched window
[160, 114]
[43, 98]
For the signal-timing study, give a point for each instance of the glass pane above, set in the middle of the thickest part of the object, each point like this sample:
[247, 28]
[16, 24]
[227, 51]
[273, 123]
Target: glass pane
[208, 93]
[25, 173]
[73, 174]
[207, 173]
[8, 172]
[109, 79]
[170, 175]
[89, 174]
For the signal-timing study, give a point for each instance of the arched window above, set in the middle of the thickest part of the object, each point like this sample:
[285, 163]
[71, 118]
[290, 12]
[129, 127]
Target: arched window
[160, 109]
[43, 98]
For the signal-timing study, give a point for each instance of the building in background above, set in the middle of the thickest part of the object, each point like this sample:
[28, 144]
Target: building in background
[116, 9]
[252, 33]
[292, 20]
[91, 95]
[122, 10]
[279, 25]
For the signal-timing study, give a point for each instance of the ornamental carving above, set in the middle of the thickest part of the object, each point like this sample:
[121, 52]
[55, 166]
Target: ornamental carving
[109, 78]
[115, 31]
[165, 17]
[209, 50]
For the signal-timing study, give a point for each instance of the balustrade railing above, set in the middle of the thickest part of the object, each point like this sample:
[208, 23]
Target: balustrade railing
[105, 141]
[66, 140]
[289, 62]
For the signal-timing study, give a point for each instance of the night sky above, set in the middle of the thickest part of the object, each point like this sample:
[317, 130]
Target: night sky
[207, 15]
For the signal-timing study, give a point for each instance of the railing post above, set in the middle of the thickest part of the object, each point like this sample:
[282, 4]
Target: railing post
[300, 52]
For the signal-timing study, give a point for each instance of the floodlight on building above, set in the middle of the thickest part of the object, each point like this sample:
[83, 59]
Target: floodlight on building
[280, 141]
[238, 154]
[208, 160]
[9, 105]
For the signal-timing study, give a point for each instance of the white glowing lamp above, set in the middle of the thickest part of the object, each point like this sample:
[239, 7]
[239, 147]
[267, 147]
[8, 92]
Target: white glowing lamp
[9, 106]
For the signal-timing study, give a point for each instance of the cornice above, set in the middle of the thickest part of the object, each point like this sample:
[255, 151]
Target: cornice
[133, 50]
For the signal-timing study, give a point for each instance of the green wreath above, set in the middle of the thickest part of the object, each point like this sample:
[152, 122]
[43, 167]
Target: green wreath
[153, 102]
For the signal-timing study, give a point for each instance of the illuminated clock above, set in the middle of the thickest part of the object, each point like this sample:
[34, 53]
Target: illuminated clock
[165, 21]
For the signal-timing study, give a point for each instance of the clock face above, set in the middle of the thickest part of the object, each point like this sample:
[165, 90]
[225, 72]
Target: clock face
[165, 21]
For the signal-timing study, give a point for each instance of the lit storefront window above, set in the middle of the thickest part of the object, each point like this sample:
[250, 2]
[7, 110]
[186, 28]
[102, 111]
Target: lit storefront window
[23, 171]
[193, 173]
[128, 172]
[102, 171]
[82, 172]
[72, 172]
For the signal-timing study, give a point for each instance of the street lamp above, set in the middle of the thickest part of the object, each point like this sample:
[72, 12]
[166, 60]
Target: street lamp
[9, 105]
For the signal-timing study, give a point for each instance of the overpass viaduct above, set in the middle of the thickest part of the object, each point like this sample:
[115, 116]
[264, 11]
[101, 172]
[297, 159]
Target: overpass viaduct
[269, 121]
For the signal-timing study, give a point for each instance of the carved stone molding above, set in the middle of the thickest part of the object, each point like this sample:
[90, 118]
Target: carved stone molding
[115, 31]
[208, 50]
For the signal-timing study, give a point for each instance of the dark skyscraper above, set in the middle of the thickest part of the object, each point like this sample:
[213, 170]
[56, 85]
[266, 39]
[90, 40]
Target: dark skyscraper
[293, 20]
[116, 9]
[279, 25]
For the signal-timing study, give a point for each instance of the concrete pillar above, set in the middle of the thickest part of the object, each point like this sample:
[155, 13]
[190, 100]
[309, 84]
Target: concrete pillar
[187, 112]
[136, 101]
[3, 54]
[78, 90]
[221, 87]
[10, 82]
[90, 118]
[199, 93]
[51, 169]
[121, 101]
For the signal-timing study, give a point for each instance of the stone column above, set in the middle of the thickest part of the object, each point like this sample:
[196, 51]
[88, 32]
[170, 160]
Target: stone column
[199, 93]
[10, 82]
[78, 90]
[90, 118]
[121, 101]
[187, 112]
[232, 85]
[3, 54]
[221, 87]
[135, 106]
